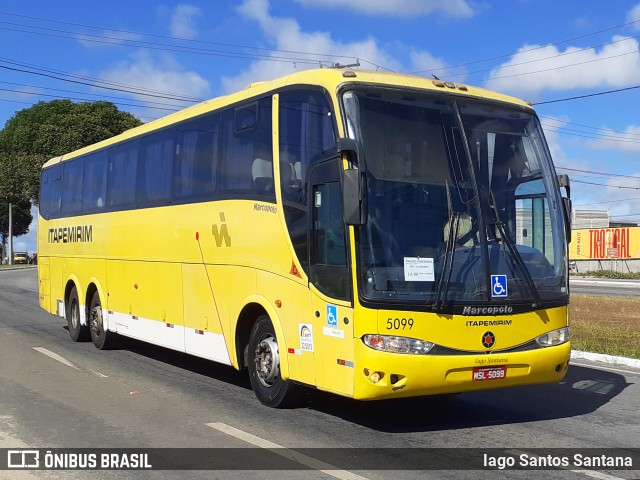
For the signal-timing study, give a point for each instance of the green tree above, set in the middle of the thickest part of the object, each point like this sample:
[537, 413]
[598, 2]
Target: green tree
[49, 129]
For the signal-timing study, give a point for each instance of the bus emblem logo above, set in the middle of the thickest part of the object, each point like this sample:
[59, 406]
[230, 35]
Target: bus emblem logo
[221, 234]
[498, 286]
[488, 339]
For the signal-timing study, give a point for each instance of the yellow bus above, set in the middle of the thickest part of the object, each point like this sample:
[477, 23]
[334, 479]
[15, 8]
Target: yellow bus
[370, 234]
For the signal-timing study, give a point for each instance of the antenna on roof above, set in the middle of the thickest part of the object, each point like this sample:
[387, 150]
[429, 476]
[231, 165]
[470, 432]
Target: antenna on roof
[351, 65]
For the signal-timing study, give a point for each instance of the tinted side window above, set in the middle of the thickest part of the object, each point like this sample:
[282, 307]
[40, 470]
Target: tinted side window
[123, 162]
[94, 189]
[155, 168]
[247, 165]
[306, 130]
[51, 191]
[195, 168]
[72, 187]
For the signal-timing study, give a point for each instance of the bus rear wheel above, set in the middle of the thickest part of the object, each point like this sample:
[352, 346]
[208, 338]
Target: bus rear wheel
[77, 331]
[101, 338]
[264, 367]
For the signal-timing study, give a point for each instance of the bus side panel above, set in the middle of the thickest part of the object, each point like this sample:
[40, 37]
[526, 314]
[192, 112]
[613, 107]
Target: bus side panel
[44, 285]
[145, 301]
[57, 287]
[334, 339]
[294, 314]
[203, 335]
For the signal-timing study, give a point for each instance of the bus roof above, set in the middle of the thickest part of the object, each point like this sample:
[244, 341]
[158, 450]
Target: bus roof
[328, 78]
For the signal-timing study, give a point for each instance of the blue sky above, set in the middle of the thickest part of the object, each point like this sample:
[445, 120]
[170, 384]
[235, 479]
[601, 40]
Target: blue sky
[155, 57]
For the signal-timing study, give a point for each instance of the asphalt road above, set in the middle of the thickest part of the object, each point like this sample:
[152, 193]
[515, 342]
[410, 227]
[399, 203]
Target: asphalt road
[611, 288]
[55, 393]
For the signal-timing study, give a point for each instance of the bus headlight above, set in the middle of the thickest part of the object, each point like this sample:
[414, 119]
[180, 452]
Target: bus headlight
[556, 337]
[387, 343]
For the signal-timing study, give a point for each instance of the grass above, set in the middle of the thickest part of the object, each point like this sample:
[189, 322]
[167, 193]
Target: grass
[609, 325]
[608, 274]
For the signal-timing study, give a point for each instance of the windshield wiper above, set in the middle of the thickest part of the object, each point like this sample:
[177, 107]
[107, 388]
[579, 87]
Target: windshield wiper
[515, 255]
[449, 251]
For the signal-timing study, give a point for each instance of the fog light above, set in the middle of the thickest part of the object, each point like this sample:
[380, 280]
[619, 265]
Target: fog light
[375, 377]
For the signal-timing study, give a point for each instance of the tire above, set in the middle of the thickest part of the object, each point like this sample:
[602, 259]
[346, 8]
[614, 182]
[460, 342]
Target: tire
[100, 337]
[77, 331]
[264, 367]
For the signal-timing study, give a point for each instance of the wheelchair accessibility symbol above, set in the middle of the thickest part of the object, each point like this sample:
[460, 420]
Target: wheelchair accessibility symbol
[498, 286]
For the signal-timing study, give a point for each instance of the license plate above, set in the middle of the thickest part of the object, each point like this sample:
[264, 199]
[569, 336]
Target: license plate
[489, 373]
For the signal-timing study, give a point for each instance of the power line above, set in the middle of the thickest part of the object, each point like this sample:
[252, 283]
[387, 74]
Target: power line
[187, 40]
[601, 136]
[85, 99]
[507, 55]
[86, 37]
[135, 89]
[605, 185]
[109, 97]
[132, 90]
[607, 201]
[589, 126]
[598, 173]
[566, 99]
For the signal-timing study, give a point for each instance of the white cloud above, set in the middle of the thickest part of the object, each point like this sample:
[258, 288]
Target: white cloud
[634, 16]
[425, 62]
[617, 64]
[161, 75]
[286, 34]
[183, 21]
[404, 8]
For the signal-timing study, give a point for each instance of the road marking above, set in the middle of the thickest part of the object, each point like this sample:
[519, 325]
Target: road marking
[588, 473]
[55, 356]
[285, 452]
[598, 367]
[598, 475]
[98, 374]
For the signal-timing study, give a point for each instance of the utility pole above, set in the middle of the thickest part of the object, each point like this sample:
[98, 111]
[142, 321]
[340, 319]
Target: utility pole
[10, 256]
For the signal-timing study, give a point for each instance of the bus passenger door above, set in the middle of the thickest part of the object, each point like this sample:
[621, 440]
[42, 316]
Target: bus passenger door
[330, 281]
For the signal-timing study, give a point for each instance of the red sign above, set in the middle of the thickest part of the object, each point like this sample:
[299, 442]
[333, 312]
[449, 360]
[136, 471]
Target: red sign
[605, 240]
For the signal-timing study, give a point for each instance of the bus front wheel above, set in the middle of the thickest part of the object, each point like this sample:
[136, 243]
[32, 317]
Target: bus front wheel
[77, 331]
[264, 366]
[101, 338]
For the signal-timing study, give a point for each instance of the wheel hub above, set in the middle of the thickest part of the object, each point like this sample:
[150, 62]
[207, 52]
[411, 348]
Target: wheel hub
[74, 316]
[96, 320]
[267, 361]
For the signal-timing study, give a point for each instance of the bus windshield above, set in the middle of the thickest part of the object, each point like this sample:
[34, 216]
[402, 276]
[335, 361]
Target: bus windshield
[462, 203]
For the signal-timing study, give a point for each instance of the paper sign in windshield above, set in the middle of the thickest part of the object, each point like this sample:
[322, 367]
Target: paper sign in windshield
[418, 269]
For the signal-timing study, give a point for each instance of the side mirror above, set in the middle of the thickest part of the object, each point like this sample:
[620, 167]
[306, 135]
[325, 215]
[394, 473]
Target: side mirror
[566, 203]
[353, 184]
[353, 208]
[353, 149]
[563, 182]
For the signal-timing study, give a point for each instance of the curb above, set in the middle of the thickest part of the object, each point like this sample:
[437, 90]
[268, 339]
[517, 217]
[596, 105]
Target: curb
[607, 359]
